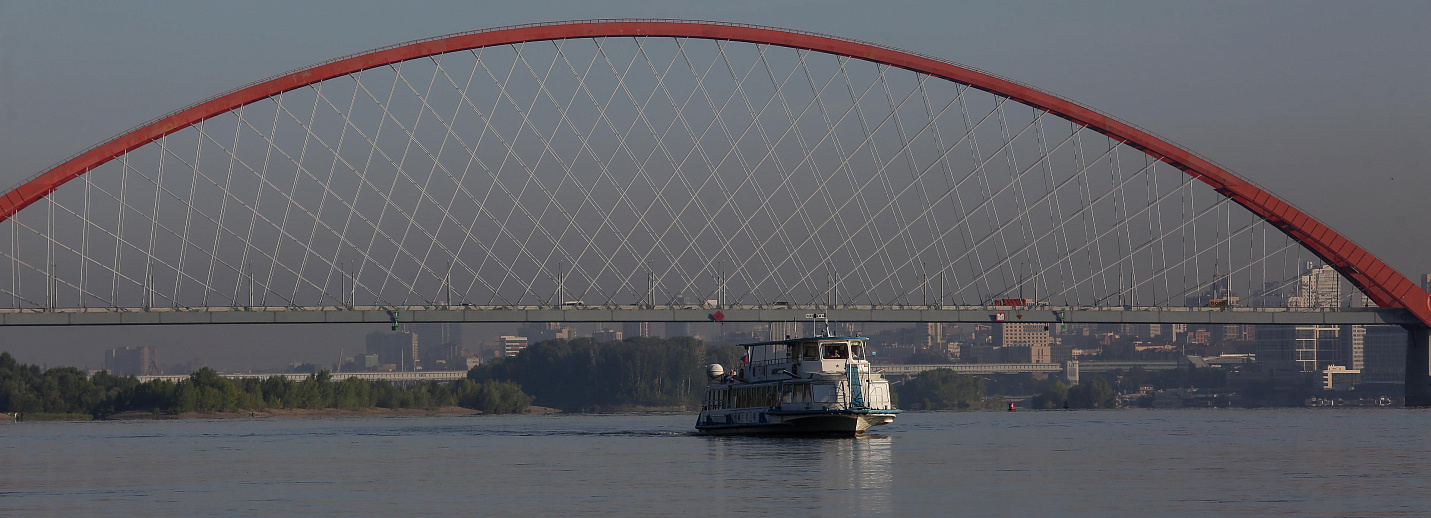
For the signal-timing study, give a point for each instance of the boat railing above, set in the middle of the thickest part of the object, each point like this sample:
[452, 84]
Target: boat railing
[762, 363]
[765, 366]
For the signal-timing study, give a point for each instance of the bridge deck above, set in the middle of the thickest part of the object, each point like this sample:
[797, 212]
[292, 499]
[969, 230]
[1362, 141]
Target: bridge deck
[508, 314]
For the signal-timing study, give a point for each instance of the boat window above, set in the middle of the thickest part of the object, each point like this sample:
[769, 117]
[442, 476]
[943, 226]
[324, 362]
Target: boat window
[857, 349]
[811, 351]
[836, 351]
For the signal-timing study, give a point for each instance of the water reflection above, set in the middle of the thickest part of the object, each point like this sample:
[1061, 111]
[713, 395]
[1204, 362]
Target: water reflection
[804, 473]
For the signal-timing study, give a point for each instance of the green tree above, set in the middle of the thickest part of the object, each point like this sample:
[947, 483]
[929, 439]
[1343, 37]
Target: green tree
[1095, 393]
[583, 375]
[1054, 396]
[942, 389]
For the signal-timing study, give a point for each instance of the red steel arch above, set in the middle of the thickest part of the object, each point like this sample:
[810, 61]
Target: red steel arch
[1384, 285]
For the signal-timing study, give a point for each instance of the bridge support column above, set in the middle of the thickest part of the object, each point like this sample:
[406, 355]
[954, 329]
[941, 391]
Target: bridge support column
[1418, 366]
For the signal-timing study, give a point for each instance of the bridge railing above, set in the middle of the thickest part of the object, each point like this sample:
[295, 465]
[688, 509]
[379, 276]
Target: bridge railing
[693, 314]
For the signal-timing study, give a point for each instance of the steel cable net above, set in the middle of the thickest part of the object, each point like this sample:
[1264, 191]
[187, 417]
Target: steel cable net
[638, 171]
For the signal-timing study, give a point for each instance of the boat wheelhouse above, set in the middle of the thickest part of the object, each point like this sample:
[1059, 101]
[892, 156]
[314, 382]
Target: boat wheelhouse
[814, 385]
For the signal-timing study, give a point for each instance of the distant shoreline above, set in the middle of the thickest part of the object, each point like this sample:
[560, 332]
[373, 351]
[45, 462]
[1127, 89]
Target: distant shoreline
[447, 411]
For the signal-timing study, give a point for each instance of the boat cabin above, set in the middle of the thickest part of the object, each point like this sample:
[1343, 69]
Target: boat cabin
[802, 357]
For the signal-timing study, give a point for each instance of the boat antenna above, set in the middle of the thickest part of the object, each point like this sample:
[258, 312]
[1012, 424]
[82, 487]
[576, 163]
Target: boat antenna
[816, 318]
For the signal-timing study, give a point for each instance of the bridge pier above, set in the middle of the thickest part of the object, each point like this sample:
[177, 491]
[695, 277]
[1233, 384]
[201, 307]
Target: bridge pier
[1418, 366]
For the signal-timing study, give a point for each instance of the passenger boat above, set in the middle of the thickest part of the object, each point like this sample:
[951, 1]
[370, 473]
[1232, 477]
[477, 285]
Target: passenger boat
[819, 385]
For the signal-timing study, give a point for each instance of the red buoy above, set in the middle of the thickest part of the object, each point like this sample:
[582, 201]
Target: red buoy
[1011, 406]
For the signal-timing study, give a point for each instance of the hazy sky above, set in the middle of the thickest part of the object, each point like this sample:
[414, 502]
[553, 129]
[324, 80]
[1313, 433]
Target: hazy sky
[1326, 104]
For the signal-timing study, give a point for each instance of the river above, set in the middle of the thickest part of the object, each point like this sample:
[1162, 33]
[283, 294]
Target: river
[1313, 462]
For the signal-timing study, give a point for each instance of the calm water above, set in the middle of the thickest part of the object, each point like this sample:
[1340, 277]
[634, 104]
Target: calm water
[1090, 463]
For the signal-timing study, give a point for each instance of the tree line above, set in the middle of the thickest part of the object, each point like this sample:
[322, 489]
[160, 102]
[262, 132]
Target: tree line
[583, 375]
[944, 389]
[67, 390]
[1091, 393]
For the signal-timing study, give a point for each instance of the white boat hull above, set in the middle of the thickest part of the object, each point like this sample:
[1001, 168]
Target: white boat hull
[776, 422]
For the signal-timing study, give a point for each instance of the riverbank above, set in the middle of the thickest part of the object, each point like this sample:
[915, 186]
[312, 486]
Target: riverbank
[639, 409]
[446, 411]
[302, 412]
[42, 416]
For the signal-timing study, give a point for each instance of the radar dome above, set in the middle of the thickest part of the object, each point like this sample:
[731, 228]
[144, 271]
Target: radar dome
[715, 371]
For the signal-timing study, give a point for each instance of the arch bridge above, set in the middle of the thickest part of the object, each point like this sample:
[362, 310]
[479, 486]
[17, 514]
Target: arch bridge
[667, 170]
